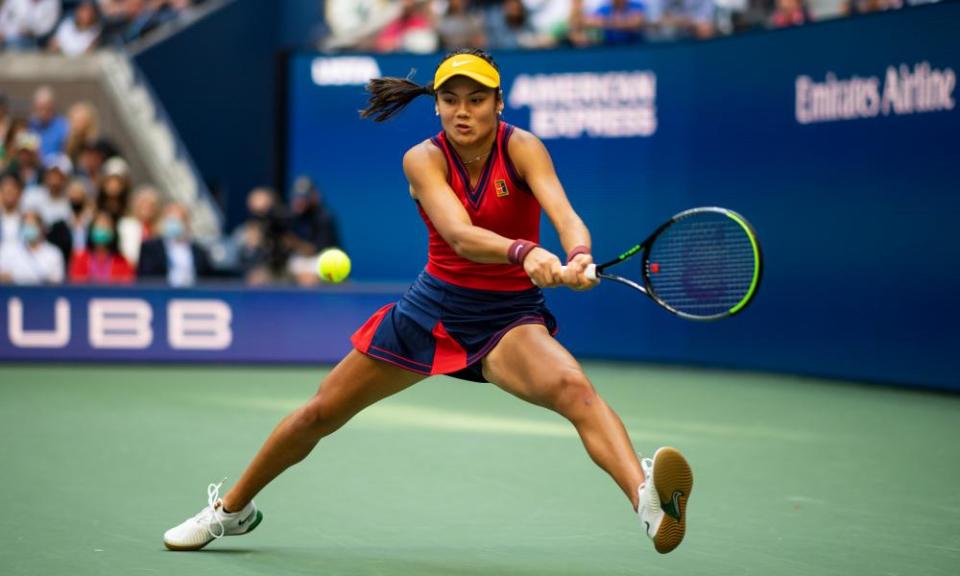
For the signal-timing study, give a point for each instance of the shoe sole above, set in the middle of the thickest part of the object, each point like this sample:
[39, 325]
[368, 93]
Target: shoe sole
[673, 480]
[176, 548]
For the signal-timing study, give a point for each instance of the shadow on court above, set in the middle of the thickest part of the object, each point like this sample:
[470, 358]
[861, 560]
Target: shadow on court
[384, 562]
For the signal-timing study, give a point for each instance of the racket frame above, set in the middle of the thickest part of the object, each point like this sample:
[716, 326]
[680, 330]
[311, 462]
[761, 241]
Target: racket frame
[647, 288]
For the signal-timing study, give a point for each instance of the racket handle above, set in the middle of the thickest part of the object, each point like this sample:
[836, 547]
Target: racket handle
[590, 272]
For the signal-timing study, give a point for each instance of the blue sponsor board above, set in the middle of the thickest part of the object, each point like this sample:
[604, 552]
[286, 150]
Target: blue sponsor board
[204, 325]
[247, 325]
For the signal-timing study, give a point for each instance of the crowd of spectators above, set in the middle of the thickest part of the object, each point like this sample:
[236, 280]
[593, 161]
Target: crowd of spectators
[74, 27]
[430, 25]
[70, 212]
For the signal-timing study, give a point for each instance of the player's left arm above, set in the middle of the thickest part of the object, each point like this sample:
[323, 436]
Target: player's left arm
[533, 162]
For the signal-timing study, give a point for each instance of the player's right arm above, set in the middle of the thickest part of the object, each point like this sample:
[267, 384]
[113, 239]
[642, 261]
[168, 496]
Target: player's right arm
[425, 168]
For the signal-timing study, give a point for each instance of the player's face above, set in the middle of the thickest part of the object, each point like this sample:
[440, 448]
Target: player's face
[468, 110]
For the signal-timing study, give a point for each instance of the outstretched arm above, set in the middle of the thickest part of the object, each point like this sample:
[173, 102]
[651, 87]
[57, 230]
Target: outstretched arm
[534, 164]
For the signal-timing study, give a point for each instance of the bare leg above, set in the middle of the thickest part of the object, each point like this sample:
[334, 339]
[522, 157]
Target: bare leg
[532, 365]
[355, 383]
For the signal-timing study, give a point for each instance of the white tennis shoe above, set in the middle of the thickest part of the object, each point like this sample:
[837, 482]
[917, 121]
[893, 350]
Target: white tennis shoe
[663, 498]
[212, 523]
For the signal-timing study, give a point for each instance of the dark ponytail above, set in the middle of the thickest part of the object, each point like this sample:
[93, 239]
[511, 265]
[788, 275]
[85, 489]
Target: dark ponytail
[391, 95]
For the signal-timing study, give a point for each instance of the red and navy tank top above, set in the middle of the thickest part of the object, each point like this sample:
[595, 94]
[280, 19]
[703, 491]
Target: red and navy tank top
[500, 202]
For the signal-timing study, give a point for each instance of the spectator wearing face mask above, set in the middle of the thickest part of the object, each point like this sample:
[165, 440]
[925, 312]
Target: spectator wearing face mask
[31, 260]
[50, 198]
[71, 233]
[11, 189]
[174, 257]
[101, 262]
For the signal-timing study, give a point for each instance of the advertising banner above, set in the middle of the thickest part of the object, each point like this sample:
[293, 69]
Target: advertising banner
[225, 325]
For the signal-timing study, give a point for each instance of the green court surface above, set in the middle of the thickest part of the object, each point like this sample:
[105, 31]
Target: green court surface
[792, 476]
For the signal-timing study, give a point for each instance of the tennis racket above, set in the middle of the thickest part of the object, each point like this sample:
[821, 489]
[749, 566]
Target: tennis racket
[702, 264]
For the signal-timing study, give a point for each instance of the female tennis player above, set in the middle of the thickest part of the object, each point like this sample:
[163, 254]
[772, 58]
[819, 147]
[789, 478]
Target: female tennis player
[476, 312]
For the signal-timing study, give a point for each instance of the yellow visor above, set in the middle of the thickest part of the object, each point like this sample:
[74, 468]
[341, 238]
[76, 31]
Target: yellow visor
[467, 65]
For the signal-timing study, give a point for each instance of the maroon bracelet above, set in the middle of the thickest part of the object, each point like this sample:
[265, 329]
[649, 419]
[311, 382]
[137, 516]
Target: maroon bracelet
[576, 252]
[519, 250]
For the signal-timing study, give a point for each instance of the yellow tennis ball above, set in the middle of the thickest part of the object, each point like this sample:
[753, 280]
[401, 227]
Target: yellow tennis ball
[333, 265]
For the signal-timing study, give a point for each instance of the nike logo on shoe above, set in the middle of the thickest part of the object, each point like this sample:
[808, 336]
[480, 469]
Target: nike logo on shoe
[672, 508]
[244, 521]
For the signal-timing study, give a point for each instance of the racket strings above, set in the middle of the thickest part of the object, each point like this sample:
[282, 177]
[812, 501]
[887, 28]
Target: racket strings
[704, 264]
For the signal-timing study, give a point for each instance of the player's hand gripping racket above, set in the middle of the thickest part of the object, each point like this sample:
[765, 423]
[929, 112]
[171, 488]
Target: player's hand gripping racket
[702, 264]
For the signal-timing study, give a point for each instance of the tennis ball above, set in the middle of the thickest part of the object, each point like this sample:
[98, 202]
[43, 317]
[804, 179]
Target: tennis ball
[333, 265]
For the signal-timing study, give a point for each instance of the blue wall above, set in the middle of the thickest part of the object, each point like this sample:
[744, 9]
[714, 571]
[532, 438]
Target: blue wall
[217, 81]
[299, 22]
[853, 214]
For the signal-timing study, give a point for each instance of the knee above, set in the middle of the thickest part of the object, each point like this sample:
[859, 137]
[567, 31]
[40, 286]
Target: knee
[319, 416]
[574, 394]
